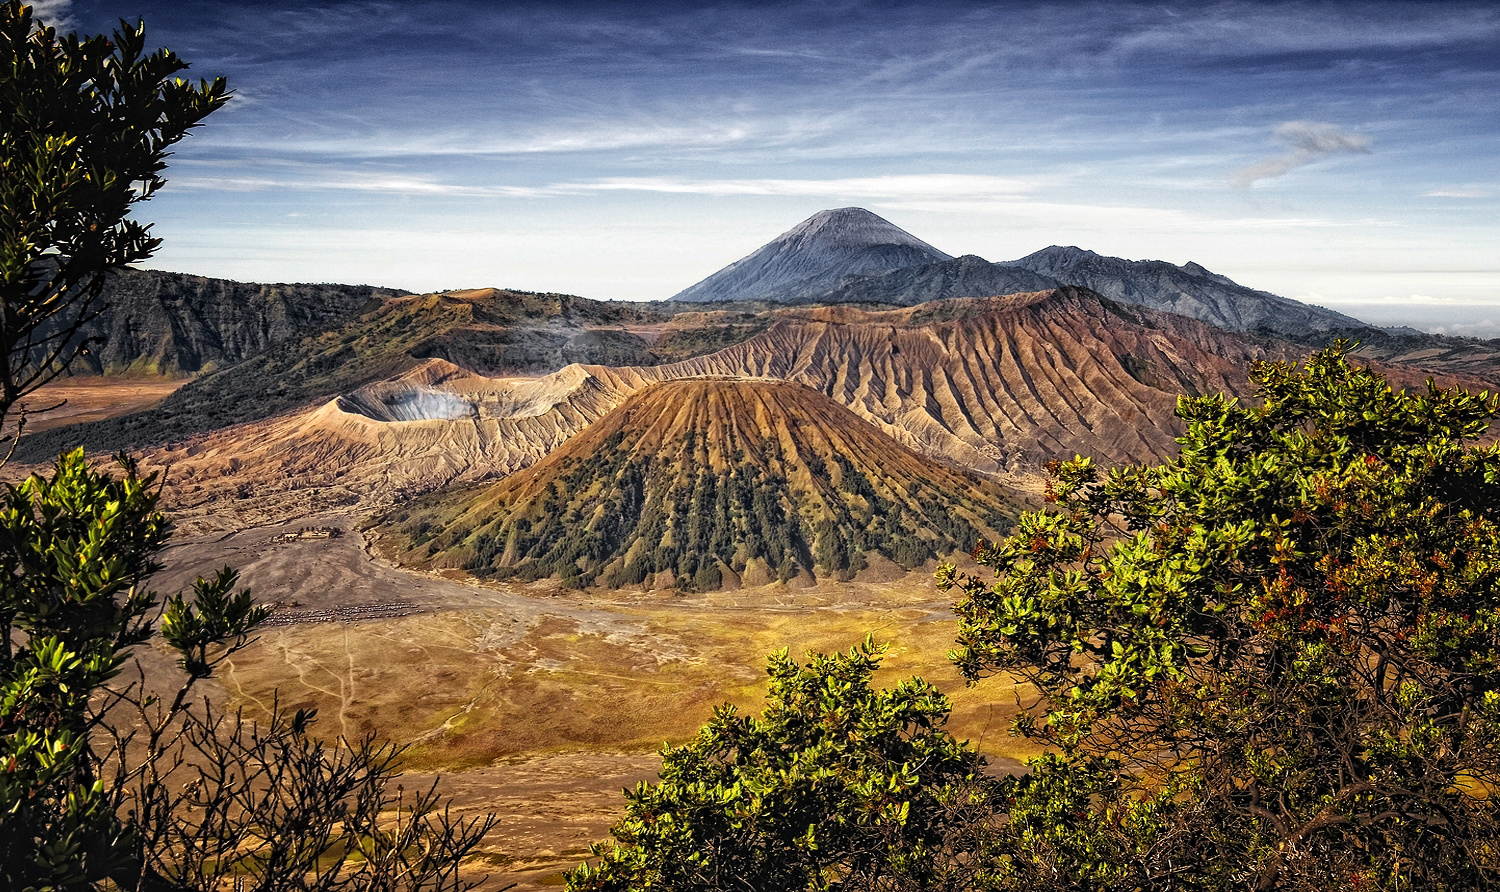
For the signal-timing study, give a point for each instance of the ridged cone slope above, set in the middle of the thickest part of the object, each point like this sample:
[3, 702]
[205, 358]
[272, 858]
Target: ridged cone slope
[699, 483]
[997, 384]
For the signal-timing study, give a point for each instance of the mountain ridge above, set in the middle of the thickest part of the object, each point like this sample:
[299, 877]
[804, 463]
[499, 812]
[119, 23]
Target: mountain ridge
[992, 385]
[483, 330]
[998, 386]
[850, 255]
[967, 276]
[175, 324]
[1187, 290]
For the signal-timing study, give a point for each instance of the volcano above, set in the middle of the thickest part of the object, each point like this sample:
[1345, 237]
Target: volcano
[814, 256]
[699, 483]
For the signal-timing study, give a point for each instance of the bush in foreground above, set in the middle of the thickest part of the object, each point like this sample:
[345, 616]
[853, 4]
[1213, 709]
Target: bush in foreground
[1271, 663]
[834, 786]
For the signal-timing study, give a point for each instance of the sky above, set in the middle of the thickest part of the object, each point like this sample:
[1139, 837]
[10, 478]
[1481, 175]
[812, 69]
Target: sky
[1346, 154]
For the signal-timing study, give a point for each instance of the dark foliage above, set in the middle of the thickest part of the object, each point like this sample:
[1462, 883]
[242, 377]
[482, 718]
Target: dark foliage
[1271, 663]
[835, 786]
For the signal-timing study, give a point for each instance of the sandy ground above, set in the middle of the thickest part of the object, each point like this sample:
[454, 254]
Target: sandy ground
[536, 704]
[528, 702]
[93, 399]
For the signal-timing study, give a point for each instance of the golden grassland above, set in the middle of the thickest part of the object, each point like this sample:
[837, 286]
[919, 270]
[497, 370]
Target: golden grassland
[540, 704]
[469, 687]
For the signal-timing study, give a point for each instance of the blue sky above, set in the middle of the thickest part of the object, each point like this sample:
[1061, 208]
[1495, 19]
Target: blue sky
[1342, 153]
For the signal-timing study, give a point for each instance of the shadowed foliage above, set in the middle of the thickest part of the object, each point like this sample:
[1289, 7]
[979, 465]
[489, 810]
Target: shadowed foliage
[85, 125]
[89, 767]
[1271, 663]
[835, 786]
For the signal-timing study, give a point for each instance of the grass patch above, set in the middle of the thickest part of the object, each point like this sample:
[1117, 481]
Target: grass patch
[469, 687]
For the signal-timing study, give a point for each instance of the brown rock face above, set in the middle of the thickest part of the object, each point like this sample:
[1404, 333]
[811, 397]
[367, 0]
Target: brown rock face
[992, 385]
[485, 331]
[1004, 383]
[701, 482]
[175, 324]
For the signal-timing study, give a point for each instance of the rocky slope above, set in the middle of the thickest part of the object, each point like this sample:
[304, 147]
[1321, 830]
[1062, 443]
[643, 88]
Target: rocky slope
[813, 256]
[698, 483]
[162, 323]
[993, 385]
[1188, 290]
[966, 276]
[1441, 355]
[996, 386]
[487, 330]
[850, 255]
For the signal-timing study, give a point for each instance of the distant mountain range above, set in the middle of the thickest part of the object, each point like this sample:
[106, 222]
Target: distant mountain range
[850, 255]
[966, 276]
[1187, 290]
[527, 435]
[173, 324]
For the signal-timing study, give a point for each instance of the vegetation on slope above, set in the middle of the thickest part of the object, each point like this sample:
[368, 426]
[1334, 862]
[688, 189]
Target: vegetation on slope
[690, 481]
[1286, 673]
[161, 323]
[109, 782]
[700, 334]
[901, 801]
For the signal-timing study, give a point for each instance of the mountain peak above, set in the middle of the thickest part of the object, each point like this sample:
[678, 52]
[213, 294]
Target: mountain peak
[815, 254]
[1194, 268]
[1054, 259]
[855, 227]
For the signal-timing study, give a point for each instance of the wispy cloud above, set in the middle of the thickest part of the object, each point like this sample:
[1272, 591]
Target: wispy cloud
[1484, 328]
[1309, 141]
[1019, 200]
[928, 186]
[366, 140]
[898, 188]
[1118, 126]
[391, 185]
[1458, 193]
[1087, 218]
[1239, 28]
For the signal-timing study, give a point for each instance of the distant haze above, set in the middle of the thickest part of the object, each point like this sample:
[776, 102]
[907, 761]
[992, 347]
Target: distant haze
[1339, 153]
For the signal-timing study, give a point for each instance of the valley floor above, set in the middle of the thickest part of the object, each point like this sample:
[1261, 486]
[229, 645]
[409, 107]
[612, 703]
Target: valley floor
[94, 399]
[537, 703]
